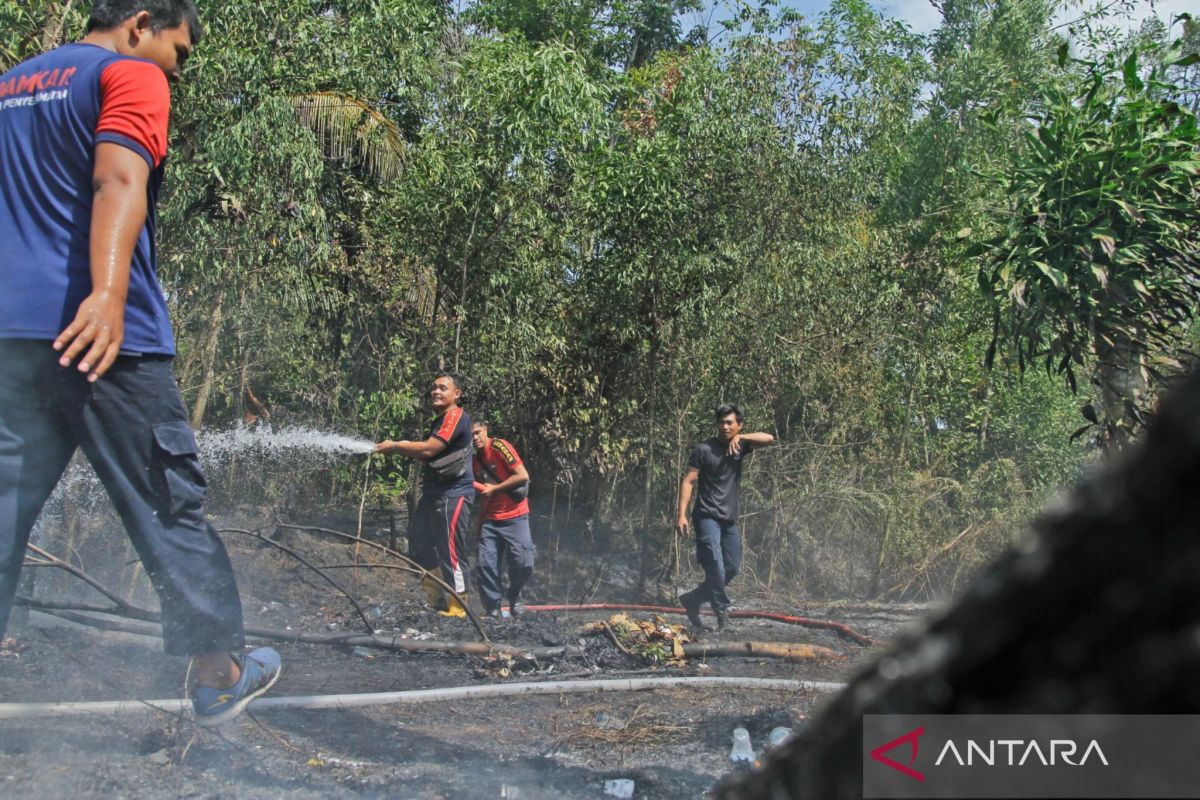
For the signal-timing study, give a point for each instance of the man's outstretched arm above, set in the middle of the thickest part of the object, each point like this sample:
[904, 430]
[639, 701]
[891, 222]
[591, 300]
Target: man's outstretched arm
[423, 450]
[750, 441]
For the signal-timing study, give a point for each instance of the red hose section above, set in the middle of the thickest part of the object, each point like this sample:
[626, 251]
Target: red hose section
[841, 628]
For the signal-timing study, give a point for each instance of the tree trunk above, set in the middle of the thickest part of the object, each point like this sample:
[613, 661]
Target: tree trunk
[52, 33]
[645, 541]
[209, 357]
[1123, 388]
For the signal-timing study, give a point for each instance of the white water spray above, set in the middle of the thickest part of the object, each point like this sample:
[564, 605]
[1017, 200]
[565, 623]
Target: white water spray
[216, 445]
[256, 449]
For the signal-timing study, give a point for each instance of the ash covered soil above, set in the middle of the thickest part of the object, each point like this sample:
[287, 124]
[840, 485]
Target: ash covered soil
[671, 743]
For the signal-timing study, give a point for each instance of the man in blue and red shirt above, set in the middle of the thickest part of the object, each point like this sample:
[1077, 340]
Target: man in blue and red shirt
[85, 340]
[437, 532]
[503, 482]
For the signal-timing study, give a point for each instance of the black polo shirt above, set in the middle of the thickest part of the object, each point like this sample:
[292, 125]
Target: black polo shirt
[720, 474]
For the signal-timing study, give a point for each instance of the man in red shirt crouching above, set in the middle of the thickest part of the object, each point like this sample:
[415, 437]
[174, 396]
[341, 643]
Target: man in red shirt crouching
[503, 483]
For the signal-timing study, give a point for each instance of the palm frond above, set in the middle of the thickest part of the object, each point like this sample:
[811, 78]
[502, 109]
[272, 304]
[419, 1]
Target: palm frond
[351, 128]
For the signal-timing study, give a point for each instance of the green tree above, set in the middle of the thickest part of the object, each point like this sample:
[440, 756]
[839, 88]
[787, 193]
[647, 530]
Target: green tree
[1094, 262]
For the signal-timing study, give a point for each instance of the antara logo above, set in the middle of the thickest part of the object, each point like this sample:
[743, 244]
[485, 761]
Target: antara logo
[1061, 751]
[912, 738]
[991, 752]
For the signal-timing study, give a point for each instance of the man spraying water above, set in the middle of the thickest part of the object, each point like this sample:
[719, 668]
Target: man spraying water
[437, 532]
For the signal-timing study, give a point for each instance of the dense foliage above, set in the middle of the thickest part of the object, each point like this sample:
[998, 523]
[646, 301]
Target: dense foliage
[611, 219]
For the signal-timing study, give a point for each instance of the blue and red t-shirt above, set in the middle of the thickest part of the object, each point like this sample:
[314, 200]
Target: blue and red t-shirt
[54, 110]
[453, 428]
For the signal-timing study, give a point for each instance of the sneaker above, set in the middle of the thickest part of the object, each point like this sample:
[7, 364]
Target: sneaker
[516, 608]
[493, 613]
[691, 607]
[260, 669]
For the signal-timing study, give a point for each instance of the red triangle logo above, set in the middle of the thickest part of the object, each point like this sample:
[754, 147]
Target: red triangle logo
[911, 738]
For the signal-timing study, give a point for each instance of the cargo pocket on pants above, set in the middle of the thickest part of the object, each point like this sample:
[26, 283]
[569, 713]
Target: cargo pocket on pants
[178, 458]
[522, 554]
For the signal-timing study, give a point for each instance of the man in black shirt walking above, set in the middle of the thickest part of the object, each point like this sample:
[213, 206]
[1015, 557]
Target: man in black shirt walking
[716, 464]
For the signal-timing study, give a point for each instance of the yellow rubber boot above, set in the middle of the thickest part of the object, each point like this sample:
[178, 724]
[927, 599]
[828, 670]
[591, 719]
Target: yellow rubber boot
[454, 607]
[435, 595]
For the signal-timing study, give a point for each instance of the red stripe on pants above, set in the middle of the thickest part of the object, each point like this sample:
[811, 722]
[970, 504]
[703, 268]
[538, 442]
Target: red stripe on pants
[453, 532]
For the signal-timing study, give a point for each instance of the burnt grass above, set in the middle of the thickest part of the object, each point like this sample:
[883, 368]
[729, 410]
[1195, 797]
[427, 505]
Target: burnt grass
[671, 743]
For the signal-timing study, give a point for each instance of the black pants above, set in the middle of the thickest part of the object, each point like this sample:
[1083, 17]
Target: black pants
[133, 428]
[437, 537]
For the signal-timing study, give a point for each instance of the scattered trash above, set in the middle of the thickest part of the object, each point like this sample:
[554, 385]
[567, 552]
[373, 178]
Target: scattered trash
[413, 633]
[742, 752]
[779, 736]
[363, 652]
[608, 721]
[11, 648]
[376, 612]
[653, 641]
[161, 757]
[620, 788]
[504, 665]
[509, 792]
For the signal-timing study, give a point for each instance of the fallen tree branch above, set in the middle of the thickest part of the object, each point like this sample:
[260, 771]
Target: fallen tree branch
[376, 641]
[789, 651]
[417, 569]
[258, 535]
[839, 628]
[48, 559]
[127, 612]
[784, 650]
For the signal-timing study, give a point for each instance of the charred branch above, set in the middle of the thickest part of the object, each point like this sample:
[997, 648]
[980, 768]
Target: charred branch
[416, 568]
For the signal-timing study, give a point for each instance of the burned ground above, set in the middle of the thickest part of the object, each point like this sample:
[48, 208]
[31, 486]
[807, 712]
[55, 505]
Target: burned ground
[672, 743]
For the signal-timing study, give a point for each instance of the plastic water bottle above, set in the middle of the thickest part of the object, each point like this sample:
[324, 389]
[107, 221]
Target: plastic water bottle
[742, 752]
[778, 736]
[621, 788]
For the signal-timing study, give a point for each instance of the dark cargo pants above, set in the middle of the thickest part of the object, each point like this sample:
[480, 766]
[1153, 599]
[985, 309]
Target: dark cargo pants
[508, 540]
[133, 428]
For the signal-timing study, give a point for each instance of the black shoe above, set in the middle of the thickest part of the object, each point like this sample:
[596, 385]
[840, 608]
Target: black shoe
[723, 621]
[691, 607]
